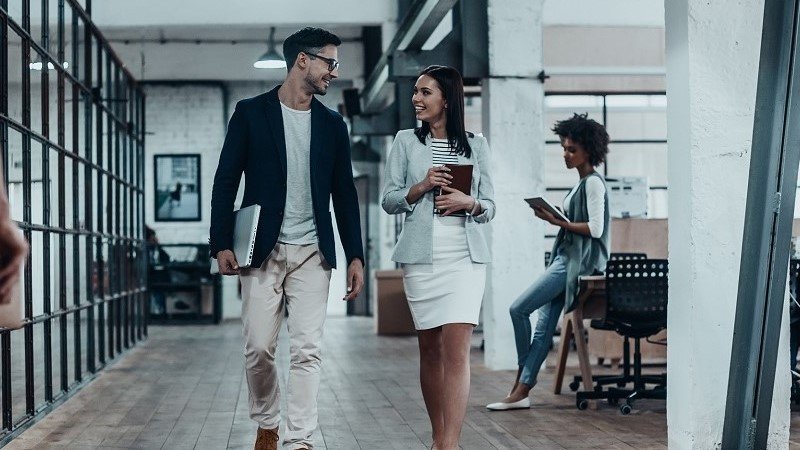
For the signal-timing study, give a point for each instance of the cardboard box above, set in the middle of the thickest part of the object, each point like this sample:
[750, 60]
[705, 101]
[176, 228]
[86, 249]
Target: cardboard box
[392, 316]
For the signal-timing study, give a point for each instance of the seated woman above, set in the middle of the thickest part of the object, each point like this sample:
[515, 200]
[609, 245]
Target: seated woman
[581, 248]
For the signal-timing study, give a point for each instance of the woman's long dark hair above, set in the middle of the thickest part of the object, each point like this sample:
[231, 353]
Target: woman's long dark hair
[452, 86]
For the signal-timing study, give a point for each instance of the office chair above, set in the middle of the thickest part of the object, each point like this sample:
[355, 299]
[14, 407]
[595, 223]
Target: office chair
[636, 294]
[600, 324]
[794, 326]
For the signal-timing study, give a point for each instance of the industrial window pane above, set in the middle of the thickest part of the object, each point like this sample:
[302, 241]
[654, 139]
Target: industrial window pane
[52, 105]
[14, 168]
[39, 378]
[639, 160]
[70, 349]
[17, 375]
[35, 69]
[14, 62]
[37, 183]
[14, 9]
[38, 267]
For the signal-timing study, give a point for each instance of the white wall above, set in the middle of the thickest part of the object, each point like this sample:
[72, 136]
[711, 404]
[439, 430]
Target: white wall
[712, 62]
[604, 12]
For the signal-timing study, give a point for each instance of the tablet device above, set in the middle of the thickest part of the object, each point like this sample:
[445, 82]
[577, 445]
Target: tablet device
[542, 202]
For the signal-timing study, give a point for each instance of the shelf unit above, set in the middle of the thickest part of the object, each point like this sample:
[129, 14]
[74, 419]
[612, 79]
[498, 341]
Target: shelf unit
[182, 289]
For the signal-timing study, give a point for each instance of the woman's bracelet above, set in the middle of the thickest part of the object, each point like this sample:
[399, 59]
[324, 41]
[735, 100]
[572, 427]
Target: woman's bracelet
[475, 207]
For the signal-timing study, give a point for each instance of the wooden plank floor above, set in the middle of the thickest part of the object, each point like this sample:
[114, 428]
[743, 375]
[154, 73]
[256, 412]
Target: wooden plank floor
[184, 388]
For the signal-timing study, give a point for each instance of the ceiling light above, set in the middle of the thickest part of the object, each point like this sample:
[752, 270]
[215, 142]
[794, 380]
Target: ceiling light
[37, 64]
[271, 59]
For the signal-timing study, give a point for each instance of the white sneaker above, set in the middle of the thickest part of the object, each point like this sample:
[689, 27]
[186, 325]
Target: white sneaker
[503, 406]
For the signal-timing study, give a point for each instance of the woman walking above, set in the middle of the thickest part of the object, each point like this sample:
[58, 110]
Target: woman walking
[443, 253]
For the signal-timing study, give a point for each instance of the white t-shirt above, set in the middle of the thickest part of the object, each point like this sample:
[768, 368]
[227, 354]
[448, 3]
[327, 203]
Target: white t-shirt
[298, 225]
[595, 203]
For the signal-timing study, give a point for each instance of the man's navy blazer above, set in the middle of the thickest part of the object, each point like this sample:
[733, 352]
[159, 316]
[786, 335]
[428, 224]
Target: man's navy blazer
[255, 145]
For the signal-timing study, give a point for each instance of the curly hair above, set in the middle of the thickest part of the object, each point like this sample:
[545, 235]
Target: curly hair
[586, 132]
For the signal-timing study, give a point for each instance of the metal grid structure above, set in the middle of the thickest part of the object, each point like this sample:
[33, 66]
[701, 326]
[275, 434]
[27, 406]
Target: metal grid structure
[72, 142]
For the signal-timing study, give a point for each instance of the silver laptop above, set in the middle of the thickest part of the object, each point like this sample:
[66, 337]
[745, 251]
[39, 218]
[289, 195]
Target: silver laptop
[245, 227]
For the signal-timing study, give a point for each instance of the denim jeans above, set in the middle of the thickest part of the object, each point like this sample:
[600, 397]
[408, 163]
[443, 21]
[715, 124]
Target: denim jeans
[546, 295]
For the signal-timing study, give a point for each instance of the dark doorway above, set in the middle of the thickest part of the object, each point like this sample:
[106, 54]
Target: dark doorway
[360, 306]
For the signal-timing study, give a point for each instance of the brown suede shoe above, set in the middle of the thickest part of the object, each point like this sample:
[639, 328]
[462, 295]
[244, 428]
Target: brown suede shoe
[266, 439]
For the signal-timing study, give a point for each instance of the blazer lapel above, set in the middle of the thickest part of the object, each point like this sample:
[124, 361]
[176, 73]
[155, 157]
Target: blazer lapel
[318, 134]
[274, 115]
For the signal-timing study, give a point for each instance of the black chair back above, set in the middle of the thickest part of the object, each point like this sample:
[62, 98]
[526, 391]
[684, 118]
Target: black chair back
[636, 295]
[794, 288]
[619, 256]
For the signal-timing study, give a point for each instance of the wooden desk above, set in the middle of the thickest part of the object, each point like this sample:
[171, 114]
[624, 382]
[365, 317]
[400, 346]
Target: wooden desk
[591, 304]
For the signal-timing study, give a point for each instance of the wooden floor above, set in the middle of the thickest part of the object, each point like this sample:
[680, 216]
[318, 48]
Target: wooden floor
[184, 388]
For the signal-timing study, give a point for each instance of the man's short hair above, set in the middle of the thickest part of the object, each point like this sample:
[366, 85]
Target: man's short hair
[307, 40]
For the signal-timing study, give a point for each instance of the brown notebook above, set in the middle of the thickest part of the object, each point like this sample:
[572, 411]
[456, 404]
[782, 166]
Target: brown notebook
[462, 180]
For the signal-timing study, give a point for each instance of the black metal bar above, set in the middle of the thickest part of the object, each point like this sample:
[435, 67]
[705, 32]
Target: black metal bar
[5, 341]
[605, 124]
[80, 307]
[62, 198]
[86, 153]
[46, 273]
[597, 93]
[68, 153]
[140, 209]
[30, 401]
[621, 141]
[5, 337]
[767, 230]
[76, 94]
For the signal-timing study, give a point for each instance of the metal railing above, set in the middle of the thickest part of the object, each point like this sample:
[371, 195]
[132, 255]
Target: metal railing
[72, 142]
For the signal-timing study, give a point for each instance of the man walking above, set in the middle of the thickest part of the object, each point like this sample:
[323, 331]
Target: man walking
[295, 155]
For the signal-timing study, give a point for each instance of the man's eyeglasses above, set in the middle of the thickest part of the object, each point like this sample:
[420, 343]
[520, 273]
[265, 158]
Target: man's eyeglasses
[333, 64]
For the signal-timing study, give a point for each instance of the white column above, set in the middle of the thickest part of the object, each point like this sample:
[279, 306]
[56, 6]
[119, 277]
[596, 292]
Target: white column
[712, 70]
[513, 100]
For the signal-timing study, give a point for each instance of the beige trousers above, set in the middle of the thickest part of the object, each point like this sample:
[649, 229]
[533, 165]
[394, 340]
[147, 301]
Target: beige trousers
[298, 277]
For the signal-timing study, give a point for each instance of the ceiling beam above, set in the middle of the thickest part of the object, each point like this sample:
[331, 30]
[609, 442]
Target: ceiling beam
[417, 26]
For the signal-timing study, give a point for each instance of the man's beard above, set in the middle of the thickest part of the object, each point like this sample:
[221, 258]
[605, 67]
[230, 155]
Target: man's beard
[316, 90]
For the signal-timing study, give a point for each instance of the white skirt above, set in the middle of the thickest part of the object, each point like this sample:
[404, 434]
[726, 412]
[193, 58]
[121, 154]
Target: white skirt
[451, 289]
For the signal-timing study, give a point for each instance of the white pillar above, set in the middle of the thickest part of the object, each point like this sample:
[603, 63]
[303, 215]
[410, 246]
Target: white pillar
[712, 70]
[513, 100]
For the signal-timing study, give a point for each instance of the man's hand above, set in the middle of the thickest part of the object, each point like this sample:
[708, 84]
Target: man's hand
[355, 279]
[13, 250]
[226, 261]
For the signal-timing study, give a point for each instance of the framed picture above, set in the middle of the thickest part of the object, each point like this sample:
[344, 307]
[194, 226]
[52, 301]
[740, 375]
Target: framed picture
[177, 187]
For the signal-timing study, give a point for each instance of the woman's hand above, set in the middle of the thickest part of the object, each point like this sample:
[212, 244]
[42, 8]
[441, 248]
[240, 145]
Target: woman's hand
[15, 251]
[453, 200]
[437, 176]
[546, 216]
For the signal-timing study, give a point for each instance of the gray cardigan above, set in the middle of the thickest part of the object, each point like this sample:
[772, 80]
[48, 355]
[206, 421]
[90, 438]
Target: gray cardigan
[407, 164]
[585, 255]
